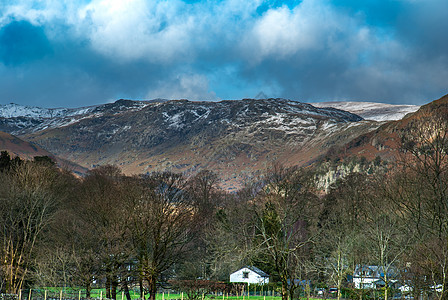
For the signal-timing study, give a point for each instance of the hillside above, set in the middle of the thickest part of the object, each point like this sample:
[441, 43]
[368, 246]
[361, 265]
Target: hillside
[18, 147]
[385, 141]
[371, 110]
[235, 138]
[25, 150]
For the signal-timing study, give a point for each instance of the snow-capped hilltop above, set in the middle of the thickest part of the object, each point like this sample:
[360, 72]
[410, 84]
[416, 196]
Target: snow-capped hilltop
[372, 111]
[271, 114]
[13, 110]
[20, 119]
[235, 137]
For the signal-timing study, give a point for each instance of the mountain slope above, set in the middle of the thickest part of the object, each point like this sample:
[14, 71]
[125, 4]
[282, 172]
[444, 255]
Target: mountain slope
[372, 111]
[19, 147]
[20, 120]
[25, 150]
[234, 138]
[385, 141]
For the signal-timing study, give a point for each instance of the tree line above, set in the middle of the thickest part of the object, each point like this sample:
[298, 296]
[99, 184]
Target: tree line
[163, 228]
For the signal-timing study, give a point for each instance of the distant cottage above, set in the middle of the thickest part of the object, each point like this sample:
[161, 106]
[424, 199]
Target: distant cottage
[250, 274]
[372, 277]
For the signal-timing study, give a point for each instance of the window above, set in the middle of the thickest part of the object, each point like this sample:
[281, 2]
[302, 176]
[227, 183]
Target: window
[245, 274]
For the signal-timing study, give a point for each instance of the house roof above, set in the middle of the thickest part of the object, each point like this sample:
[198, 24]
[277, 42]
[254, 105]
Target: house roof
[375, 271]
[256, 270]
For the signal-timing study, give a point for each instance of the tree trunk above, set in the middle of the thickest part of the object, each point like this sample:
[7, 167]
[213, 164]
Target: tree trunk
[108, 284]
[292, 290]
[386, 285]
[88, 288]
[126, 289]
[339, 288]
[113, 291]
[152, 281]
[308, 290]
[284, 288]
[141, 288]
[339, 271]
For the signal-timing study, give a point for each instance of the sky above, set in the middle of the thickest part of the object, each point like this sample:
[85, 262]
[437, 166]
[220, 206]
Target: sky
[56, 53]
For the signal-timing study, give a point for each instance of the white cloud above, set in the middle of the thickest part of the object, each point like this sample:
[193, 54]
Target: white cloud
[136, 29]
[185, 86]
[283, 32]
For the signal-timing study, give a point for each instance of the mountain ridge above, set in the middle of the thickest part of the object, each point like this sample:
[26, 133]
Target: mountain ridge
[385, 141]
[372, 110]
[235, 138]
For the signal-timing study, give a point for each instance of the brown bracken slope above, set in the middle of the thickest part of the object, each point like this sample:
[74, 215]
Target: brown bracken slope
[386, 140]
[26, 150]
[18, 147]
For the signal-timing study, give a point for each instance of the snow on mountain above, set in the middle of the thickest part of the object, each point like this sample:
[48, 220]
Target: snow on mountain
[13, 110]
[372, 111]
[291, 117]
[19, 119]
[270, 114]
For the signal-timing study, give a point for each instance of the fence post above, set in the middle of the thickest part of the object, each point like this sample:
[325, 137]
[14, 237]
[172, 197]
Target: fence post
[122, 295]
[29, 295]
[79, 295]
[45, 295]
[101, 295]
[182, 296]
[60, 295]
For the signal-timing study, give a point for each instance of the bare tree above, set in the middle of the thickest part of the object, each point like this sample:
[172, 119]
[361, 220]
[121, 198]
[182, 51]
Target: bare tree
[163, 226]
[283, 224]
[29, 197]
[207, 196]
[390, 239]
[341, 243]
[422, 192]
[104, 223]
[231, 240]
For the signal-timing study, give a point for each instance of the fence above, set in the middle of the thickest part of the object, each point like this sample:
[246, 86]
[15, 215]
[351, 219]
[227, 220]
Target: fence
[71, 294]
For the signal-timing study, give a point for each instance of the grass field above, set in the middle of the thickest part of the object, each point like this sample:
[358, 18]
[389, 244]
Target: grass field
[69, 293]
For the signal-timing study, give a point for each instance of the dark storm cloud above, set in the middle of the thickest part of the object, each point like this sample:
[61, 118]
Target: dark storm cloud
[77, 76]
[60, 53]
[70, 74]
[391, 52]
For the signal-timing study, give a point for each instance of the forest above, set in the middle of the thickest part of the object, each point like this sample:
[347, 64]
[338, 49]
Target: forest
[165, 229]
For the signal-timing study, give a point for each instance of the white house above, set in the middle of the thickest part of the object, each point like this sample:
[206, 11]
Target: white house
[249, 274]
[372, 277]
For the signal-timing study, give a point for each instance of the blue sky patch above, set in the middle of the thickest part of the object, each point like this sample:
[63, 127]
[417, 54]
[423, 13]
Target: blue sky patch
[22, 43]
